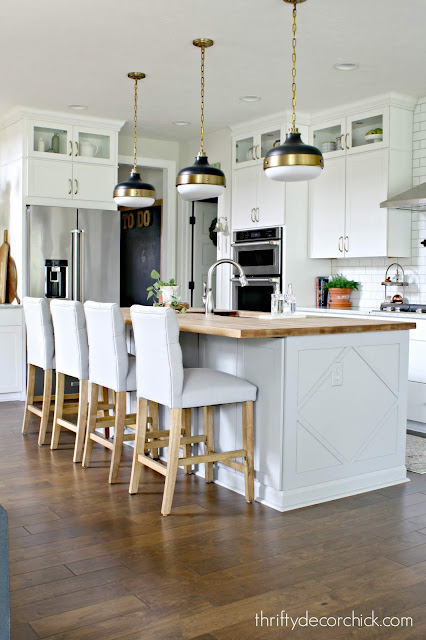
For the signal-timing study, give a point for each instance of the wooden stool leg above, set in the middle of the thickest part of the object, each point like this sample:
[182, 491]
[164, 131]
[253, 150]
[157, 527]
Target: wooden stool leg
[176, 416]
[208, 432]
[140, 437]
[45, 410]
[91, 424]
[105, 400]
[187, 432]
[59, 408]
[248, 445]
[153, 412]
[30, 397]
[120, 416]
[81, 420]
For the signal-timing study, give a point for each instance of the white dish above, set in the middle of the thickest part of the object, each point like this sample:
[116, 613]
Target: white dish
[375, 137]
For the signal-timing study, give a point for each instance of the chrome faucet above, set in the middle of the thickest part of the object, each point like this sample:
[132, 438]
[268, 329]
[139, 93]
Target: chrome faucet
[208, 300]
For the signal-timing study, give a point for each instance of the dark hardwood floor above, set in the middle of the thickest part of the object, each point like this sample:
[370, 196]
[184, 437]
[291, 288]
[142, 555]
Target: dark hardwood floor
[91, 562]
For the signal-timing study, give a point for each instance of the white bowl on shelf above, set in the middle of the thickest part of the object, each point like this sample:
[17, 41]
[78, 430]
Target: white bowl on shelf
[374, 137]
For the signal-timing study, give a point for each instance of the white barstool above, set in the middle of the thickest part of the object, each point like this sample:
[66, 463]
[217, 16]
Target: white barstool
[110, 366]
[40, 353]
[166, 382]
[72, 359]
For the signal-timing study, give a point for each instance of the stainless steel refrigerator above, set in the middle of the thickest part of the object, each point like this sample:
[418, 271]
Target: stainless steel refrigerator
[87, 239]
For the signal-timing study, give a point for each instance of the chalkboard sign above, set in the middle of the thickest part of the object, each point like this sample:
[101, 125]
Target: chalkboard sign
[140, 252]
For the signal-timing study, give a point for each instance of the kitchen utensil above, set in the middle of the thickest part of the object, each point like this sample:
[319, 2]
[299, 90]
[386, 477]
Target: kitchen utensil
[4, 258]
[328, 146]
[12, 281]
[88, 149]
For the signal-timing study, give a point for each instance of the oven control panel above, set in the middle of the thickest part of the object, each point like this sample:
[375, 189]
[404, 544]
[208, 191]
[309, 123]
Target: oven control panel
[273, 233]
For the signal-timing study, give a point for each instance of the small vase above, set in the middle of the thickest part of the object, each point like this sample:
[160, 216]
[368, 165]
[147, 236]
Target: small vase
[339, 298]
[41, 146]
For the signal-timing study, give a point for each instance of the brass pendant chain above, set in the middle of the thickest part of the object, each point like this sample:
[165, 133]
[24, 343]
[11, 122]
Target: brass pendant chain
[293, 74]
[135, 133]
[203, 57]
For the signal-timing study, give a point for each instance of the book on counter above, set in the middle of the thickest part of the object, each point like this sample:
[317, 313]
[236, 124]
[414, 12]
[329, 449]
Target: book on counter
[322, 293]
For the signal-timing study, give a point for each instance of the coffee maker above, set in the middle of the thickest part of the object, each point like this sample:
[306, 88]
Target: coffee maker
[55, 277]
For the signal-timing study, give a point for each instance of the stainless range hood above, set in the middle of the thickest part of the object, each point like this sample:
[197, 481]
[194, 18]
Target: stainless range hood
[412, 200]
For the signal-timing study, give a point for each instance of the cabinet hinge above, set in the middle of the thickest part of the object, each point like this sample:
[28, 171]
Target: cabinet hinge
[191, 285]
[192, 220]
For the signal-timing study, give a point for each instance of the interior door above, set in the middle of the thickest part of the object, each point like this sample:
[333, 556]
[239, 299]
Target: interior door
[327, 210]
[244, 197]
[205, 252]
[366, 188]
[270, 201]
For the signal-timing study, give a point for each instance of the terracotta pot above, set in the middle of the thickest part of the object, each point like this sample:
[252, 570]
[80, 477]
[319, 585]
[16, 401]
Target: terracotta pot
[339, 298]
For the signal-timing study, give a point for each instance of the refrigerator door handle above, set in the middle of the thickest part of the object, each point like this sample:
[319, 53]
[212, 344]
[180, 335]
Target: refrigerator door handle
[76, 264]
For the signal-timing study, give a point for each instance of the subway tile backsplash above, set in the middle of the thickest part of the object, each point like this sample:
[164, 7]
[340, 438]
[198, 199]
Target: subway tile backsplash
[370, 271]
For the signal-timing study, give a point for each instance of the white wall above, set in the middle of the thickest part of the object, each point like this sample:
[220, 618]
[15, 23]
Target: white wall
[370, 271]
[149, 148]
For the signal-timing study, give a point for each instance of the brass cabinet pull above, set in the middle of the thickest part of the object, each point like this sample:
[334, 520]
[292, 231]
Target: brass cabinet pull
[76, 186]
[346, 141]
[257, 214]
[346, 244]
[252, 215]
[70, 185]
[70, 153]
[76, 148]
[258, 151]
[340, 244]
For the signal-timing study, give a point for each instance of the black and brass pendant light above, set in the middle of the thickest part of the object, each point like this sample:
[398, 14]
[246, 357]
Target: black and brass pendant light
[134, 192]
[201, 180]
[293, 161]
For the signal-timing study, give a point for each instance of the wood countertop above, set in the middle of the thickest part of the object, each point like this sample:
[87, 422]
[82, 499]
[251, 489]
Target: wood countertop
[248, 325]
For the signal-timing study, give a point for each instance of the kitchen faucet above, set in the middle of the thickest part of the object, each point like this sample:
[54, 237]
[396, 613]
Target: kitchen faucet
[208, 288]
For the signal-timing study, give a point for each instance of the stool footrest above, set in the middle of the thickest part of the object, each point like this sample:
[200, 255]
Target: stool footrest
[35, 410]
[103, 441]
[67, 425]
[70, 408]
[234, 465]
[152, 464]
[155, 444]
[212, 457]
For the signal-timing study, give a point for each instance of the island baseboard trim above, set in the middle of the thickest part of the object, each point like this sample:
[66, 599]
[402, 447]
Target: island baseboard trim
[311, 495]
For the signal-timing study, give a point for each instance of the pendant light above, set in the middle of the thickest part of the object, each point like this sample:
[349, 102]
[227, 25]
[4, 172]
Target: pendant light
[134, 192]
[293, 161]
[201, 180]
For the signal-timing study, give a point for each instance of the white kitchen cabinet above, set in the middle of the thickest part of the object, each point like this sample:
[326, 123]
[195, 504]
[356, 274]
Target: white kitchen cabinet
[257, 201]
[12, 352]
[93, 182]
[250, 148]
[327, 204]
[50, 179]
[40, 140]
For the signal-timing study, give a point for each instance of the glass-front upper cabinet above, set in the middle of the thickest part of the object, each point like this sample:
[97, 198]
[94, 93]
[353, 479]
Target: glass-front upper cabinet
[367, 131]
[329, 137]
[50, 140]
[249, 149]
[94, 145]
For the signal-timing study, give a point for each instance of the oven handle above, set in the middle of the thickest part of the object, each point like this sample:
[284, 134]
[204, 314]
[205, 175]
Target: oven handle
[254, 279]
[275, 243]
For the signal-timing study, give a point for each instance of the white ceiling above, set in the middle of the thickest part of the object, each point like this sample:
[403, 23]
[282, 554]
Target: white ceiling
[55, 53]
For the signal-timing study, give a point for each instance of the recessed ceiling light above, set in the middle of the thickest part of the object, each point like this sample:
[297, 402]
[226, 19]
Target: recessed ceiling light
[181, 123]
[346, 66]
[250, 98]
[77, 107]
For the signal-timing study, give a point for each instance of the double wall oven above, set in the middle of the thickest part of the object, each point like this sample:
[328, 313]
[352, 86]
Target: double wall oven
[259, 252]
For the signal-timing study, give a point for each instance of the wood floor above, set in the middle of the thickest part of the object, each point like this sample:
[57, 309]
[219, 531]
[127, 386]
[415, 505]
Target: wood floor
[91, 562]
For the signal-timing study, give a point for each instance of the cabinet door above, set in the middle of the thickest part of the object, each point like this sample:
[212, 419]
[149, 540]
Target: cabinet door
[244, 197]
[49, 179]
[244, 150]
[366, 188]
[11, 344]
[327, 210]
[94, 146]
[331, 134]
[94, 182]
[50, 140]
[270, 201]
[360, 131]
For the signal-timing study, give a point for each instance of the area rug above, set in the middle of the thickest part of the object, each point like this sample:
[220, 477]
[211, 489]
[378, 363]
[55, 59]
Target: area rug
[4, 577]
[415, 457]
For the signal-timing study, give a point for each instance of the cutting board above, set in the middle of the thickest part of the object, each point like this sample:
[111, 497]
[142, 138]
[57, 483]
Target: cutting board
[12, 281]
[4, 260]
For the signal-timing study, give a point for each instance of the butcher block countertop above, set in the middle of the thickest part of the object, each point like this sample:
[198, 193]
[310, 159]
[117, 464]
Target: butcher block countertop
[245, 324]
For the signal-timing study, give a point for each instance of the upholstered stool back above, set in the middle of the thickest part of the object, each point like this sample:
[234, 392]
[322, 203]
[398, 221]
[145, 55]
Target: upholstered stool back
[38, 321]
[71, 347]
[159, 368]
[108, 358]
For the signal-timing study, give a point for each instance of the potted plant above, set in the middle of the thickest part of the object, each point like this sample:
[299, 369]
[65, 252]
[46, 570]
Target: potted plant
[165, 293]
[339, 292]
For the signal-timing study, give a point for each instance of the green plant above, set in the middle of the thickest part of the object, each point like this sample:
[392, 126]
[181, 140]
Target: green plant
[155, 291]
[340, 282]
